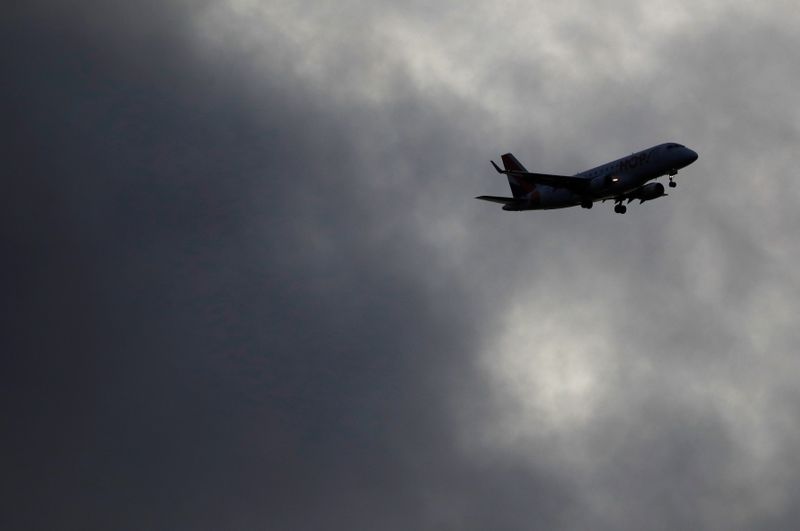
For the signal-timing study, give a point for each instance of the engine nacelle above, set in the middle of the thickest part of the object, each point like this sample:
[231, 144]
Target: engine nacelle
[647, 192]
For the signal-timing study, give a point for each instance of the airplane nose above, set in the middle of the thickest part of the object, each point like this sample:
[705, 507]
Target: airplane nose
[692, 156]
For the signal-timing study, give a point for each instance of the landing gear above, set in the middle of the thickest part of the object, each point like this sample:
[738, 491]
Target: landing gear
[672, 173]
[586, 204]
[620, 208]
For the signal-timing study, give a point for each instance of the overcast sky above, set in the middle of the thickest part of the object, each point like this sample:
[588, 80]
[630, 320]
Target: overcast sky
[246, 284]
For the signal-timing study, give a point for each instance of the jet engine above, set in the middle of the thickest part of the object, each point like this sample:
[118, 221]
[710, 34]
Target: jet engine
[647, 192]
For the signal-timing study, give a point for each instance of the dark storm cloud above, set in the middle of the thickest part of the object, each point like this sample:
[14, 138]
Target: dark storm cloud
[209, 323]
[246, 285]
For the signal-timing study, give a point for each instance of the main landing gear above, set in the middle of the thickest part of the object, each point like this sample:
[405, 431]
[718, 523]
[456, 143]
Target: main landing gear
[672, 173]
[619, 208]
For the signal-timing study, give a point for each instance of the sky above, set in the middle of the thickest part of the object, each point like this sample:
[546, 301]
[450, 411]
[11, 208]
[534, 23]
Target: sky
[247, 284]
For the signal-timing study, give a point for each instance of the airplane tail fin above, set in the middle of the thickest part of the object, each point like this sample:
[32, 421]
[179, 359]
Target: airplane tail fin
[520, 187]
[510, 162]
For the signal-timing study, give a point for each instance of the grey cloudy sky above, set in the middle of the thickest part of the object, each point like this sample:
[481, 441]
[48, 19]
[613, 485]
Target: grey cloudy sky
[247, 285]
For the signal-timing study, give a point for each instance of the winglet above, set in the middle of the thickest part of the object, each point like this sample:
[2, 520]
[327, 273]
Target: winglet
[496, 167]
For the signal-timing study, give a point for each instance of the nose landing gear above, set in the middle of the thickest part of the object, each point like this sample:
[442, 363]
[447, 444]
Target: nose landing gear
[672, 173]
[619, 208]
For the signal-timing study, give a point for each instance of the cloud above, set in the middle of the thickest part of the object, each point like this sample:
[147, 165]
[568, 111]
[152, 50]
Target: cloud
[248, 286]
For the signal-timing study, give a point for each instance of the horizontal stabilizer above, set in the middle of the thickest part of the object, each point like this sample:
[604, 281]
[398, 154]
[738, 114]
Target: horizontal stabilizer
[496, 199]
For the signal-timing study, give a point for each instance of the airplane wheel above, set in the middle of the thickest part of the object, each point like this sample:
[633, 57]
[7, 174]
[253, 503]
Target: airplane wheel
[620, 209]
[673, 184]
[587, 204]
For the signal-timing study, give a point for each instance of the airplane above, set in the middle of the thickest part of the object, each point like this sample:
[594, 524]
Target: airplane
[621, 180]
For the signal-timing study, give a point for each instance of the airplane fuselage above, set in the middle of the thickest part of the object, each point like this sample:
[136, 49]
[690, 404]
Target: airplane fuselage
[622, 179]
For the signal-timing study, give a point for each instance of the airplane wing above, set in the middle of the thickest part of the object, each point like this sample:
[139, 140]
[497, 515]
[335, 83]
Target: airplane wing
[576, 184]
[495, 199]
